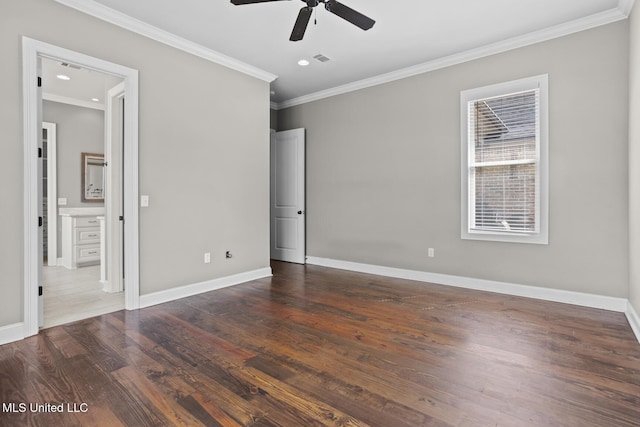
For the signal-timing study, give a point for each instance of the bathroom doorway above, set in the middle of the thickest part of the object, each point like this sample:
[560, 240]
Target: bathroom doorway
[74, 114]
[81, 223]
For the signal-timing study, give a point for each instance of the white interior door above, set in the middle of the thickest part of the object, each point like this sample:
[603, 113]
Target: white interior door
[40, 211]
[114, 143]
[52, 194]
[288, 223]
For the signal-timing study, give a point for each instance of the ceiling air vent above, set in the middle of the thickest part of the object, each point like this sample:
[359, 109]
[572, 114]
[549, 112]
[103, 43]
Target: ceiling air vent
[66, 64]
[320, 57]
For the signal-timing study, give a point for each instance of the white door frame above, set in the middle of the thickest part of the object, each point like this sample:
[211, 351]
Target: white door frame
[52, 193]
[32, 52]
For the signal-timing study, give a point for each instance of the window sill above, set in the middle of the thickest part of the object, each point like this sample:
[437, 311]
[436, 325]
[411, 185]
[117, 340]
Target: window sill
[536, 239]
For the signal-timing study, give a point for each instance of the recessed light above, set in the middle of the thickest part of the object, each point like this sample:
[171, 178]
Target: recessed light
[303, 63]
[63, 77]
[95, 99]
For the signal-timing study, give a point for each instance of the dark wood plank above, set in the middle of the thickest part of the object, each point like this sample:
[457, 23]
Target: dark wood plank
[206, 413]
[145, 390]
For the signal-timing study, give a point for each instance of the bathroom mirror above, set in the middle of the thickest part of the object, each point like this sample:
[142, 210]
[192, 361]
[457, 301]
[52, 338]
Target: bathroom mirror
[92, 177]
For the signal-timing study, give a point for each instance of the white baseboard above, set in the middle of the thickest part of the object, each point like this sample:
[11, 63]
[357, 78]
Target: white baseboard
[634, 320]
[198, 288]
[11, 333]
[547, 294]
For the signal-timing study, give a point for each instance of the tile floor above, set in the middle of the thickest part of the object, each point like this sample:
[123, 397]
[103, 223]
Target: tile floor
[71, 295]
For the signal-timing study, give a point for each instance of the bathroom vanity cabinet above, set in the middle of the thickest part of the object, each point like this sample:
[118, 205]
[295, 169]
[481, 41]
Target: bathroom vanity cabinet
[80, 240]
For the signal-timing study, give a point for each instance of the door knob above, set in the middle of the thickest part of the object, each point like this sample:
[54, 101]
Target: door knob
[300, 212]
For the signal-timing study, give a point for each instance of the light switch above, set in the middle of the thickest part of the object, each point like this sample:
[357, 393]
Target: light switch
[144, 201]
[62, 201]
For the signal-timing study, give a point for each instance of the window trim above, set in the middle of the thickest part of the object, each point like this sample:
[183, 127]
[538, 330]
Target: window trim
[541, 236]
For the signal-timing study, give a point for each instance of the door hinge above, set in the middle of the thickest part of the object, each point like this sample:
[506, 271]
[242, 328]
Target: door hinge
[39, 152]
[39, 81]
[40, 221]
[39, 291]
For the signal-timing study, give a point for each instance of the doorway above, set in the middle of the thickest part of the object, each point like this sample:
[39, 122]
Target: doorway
[33, 53]
[75, 283]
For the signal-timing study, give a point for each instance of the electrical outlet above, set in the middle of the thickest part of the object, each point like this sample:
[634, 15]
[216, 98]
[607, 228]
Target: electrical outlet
[207, 257]
[432, 252]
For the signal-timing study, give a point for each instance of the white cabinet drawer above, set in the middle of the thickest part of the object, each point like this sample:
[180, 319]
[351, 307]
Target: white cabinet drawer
[88, 221]
[87, 253]
[87, 235]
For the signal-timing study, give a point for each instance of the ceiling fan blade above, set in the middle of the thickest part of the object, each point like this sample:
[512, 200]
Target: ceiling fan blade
[301, 24]
[240, 2]
[348, 14]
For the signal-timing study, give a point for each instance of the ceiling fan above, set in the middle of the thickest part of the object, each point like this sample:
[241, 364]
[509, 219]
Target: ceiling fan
[333, 6]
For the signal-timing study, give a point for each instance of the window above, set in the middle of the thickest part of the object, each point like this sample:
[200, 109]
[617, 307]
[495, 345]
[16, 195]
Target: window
[504, 162]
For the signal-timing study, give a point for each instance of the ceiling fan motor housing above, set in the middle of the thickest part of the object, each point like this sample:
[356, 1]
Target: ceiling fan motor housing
[333, 6]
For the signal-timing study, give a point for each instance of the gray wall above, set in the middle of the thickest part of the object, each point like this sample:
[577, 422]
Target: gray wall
[383, 169]
[204, 141]
[79, 130]
[634, 161]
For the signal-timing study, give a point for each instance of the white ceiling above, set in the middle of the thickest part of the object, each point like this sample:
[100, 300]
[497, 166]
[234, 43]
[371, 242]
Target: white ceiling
[407, 33]
[84, 84]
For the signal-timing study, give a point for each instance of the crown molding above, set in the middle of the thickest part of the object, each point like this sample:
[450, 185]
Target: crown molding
[592, 21]
[119, 19]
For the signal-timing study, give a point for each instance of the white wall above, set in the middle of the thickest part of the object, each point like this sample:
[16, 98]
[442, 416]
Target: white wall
[383, 169]
[204, 140]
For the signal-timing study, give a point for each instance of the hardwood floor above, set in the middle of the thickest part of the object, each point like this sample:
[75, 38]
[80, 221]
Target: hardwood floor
[71, 295]
[314, 346]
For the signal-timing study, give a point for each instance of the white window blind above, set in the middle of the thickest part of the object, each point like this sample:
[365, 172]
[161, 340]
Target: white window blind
[503, 162]
[502, 146]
